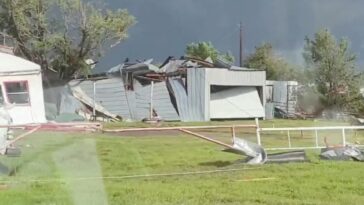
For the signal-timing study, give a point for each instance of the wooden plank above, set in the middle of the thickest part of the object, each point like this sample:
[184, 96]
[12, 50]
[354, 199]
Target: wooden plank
[22, 136]
[207, 138]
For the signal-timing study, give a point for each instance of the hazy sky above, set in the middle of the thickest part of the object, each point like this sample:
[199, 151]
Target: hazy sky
[164, 27]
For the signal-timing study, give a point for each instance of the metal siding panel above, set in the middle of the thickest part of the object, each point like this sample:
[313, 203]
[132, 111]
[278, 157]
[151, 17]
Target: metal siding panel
[201, 79]
[207, 97]
[196, 93]
[190, 93]
[269, 111]
[181, 98]
[161, 102]
[110, 93]
[235, 78]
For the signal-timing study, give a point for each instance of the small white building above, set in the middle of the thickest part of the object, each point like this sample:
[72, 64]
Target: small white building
[281, 95]
[21, 89]
[220, 93]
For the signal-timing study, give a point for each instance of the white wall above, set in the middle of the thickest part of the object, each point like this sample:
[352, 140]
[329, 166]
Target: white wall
[199, 81]
[33, 112]
[238, 102]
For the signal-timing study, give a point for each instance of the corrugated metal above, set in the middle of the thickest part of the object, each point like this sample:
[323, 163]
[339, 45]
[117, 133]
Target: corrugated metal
[135, 105]
[238, 102]
[161, 102]
[235, 78]
[283, 94]
[269, 111]
[198, 94]
[172, 66]
[116, 69]
[110, 93]
[180, 95]
[142, 101]
[67, 102]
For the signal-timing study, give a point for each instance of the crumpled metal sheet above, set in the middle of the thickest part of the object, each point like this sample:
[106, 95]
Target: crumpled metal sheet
[180, 95]
[286, 157]
[146, 65]
[255, 153]
[342, 153]
[116, 69]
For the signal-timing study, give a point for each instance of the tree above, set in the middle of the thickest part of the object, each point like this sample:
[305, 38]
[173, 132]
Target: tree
[333, 68]
[276, 68]
[61, 35]
[203, 50]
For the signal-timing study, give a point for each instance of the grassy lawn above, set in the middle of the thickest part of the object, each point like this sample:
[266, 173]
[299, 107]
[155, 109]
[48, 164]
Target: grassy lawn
[59, 168]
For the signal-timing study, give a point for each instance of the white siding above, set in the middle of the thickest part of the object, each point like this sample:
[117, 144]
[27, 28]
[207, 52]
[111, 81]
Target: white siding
[33, 112]
[199, 81]
[238, 102]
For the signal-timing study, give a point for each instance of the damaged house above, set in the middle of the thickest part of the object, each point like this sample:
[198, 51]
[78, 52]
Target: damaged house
[185, 89]
[21, 89]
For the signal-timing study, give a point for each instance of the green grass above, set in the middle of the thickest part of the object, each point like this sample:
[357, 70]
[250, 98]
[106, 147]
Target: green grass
[265, 123]
[59, 168]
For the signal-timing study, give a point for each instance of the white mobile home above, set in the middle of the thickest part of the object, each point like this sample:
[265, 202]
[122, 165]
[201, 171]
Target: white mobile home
[21, 89]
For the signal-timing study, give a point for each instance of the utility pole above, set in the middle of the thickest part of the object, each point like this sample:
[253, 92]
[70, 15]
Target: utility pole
[241, 45]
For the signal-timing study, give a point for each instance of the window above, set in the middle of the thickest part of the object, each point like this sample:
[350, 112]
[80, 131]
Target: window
[17, 92]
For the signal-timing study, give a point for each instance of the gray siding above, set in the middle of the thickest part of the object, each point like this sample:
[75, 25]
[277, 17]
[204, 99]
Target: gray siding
[161, 102]
[235, 78]
[198, 92]
[110, 93]
[269, 111]
[284, 95]
[180, 94]
[135, 105]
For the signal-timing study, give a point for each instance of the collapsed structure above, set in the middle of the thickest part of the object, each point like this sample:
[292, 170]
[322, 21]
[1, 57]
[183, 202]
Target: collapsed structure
[185, 89]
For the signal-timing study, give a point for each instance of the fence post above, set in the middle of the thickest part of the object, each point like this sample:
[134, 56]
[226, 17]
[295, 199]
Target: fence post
[316, 138]
[94, 101]
[343, 136]
[233, 132]
[257, 131]
[289, 139]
